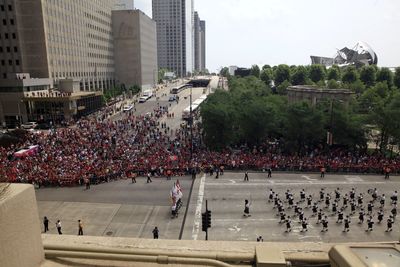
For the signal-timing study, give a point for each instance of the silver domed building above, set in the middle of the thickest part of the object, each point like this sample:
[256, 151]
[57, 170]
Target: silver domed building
[360, 55]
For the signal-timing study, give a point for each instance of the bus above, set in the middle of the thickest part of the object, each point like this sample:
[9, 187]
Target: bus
[195, 106]
[177, 90]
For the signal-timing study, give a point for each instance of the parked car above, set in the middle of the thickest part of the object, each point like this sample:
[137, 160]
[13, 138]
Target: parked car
[143, 99]
[29, 125]
[128, 108]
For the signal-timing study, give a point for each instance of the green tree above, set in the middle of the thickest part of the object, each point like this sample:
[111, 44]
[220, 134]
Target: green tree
[396, 78]
[281, 89]
[266, 76]
[303, 128]
[317, 73]
[255, 71]
[350, 75]
[333, 73]
[333, 84]
[224, 72]
[299, 76]
[265, 67]
[282, 73]
[368, 75]
[385, 75]
[358, 87]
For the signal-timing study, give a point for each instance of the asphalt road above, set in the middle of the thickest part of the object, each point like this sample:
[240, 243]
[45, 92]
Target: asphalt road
[132, 210]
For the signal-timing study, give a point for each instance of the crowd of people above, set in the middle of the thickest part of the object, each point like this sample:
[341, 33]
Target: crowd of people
[98, 149]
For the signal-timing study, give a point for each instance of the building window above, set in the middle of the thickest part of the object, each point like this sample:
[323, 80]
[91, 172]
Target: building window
[8, 49]
[12, 21]
[1, 49]
[15, 49]
[9, 7]
[4, 22]
[6, 35]
[10, 62]
[14, 36]
[17, 62]
[3, 62]
[2, 7]
[4, 76]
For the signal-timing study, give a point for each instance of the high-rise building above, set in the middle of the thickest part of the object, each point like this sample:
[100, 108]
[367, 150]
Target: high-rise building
[135, 48]
[57, 40]
[175, 35]
[55, 58]
[124, 5]
[199, 43]
[203, 45]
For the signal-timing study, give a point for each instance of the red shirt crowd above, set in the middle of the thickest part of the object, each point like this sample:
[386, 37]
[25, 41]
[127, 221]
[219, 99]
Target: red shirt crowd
[100, 149]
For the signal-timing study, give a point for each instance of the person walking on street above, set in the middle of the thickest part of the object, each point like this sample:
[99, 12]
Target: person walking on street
[269, 172]
[323, 172]
[80, 227]
[246, 176]
[389, 224]
[246, 212]
[347, 222]
[58, 226]
[155, 233]
[133, 175]
[149, 178]
[87, 183]
[46, 224]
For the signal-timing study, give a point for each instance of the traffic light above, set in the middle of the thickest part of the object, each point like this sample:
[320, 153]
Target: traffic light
[204, 221]
[208, 218]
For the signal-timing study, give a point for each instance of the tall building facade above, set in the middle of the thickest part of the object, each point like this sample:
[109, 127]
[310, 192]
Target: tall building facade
[58, 40]
[175, 35]
[203, 45]
[135, 48]
[199, 43]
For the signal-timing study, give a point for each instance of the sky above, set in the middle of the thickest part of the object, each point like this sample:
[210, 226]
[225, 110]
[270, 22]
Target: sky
[247, 32]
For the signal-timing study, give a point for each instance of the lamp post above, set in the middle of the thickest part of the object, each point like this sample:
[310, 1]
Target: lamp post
[191, 127]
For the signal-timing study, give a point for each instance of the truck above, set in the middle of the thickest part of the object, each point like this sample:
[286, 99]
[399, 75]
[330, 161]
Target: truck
[148, 94]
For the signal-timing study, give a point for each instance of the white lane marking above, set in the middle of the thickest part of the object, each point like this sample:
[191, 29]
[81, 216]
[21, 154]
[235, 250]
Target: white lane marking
[352, 178]
[232, 181]
[308, 178]
[245, 219]
[197, 216]
[296, 182]
[235, 228]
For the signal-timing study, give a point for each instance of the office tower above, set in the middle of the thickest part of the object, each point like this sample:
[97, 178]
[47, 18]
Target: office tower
[203, 45]
[135, 48]
[199, 43]
[175, 35]
[124, 5]
[57, 40]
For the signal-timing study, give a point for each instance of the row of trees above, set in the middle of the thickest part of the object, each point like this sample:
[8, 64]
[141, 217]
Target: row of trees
[355, 79]
[253, 111]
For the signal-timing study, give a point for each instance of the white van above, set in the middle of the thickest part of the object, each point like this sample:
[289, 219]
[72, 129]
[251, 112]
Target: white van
[148, 93]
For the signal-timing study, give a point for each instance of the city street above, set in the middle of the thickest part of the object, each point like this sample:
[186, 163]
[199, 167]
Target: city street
[132, 210]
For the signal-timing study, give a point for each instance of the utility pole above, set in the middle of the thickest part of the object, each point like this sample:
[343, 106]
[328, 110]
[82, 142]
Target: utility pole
[191, 128]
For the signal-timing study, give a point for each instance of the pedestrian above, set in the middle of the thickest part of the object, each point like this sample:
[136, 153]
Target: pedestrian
[246, 176]
[347, 222]
[361, 216]
[327, 201]
[246, 208]
[260, 239]
[149, 178]
[80, 227]
[58, 226]
[269, 172]
[271, 195]
[304, 224]
[319, 216]
[389, 224]
[369, 207]
[133, 175]
[380, 216]
[340, 216]
[46, 224]
[370, 223]
[87, 183]
[322, 172]
[382, 201]
[321, 195]
[288, 225]
[309, 201]
[302, 195]
[387, 172]
[394, 212]
[325, 224]
[283, 217]
[155, 233]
